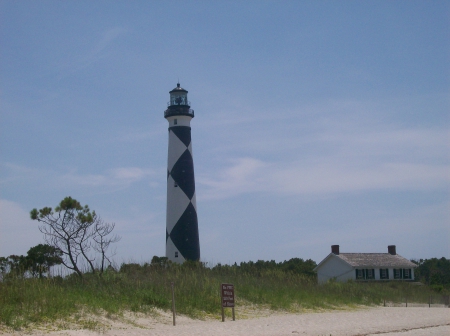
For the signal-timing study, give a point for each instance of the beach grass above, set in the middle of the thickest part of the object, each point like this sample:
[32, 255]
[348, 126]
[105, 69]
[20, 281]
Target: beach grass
[142, 288]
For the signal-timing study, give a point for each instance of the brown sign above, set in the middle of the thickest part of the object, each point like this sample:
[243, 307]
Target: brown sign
[227, 291]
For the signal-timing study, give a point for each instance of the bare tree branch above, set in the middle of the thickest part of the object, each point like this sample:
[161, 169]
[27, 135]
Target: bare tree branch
[103, 240]
[76, 231]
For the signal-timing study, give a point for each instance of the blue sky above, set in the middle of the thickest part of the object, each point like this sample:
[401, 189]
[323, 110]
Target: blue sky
[316, 122]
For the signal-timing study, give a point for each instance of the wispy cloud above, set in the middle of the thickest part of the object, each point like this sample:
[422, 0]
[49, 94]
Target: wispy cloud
[12, 172]
[116, 177]
[331, 147]
[113, 177]
[333, 161]
[17, 231]
[93, 53]
[249, 175]
[242, 176]
[107, 37]
[341, 177]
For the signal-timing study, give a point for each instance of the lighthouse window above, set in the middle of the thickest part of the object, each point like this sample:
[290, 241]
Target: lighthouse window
[175, 121]
[176, 254]
[175, 184]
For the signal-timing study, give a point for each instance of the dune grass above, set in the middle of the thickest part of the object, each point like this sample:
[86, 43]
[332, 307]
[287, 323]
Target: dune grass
[25, 302]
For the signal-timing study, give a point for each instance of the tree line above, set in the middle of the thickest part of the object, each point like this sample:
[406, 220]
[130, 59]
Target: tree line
[434, 272]
[293, 266]
[259, 268]
[79, 239]
[36, 263]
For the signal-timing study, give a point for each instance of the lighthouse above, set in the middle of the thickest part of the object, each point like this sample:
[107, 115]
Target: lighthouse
[182, 241]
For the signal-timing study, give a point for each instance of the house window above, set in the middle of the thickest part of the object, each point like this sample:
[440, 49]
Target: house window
[384, 273]
[175, 121]
[407, 273]
[397, 273]
[176, 254]
[360, 274]
[368, 273]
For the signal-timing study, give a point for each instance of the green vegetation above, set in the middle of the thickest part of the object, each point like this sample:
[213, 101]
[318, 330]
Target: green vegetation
[36, 263]
[435, 273]
[289, 286]
[78, 233]
[77, 237]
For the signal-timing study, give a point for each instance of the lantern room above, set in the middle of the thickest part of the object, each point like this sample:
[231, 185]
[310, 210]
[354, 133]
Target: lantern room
[178, 104]
[178, 96]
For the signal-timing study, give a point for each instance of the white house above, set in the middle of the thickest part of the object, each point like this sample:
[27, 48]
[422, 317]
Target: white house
[364, 266]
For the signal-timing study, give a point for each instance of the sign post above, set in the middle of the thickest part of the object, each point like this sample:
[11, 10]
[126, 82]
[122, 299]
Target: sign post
[173, 302]
[227, 294]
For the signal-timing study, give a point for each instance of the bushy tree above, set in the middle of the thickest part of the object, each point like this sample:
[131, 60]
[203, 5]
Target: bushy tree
[161, 262]
[36, 263]
[77, 232]
[299, 266]
[434, 272]
[294, 266]
[14, 266]
[41, 257]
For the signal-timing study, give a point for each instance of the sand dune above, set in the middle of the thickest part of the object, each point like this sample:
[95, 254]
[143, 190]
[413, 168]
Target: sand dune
[371, 321]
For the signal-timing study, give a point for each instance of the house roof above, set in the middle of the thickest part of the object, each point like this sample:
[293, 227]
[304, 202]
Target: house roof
[378, 260]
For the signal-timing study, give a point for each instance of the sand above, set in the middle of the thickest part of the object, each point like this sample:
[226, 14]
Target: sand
[392, 321]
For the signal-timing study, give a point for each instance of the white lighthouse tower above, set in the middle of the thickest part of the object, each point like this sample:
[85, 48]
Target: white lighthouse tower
[182, 241]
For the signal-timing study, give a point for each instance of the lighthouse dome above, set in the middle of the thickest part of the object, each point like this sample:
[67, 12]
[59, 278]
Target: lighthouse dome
[178, 104]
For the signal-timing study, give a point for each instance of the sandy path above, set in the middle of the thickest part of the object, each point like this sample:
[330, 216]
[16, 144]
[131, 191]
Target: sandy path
[373, 321]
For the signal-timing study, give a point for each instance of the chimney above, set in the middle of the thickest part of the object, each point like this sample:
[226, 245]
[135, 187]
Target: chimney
[335, 249]
[392, 250]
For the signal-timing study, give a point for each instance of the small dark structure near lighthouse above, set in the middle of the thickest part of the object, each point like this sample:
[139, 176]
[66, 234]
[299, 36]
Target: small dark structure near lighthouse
[182, 239]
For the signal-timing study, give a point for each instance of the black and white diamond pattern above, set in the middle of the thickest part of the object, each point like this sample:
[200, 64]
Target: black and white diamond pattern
[182, 241]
